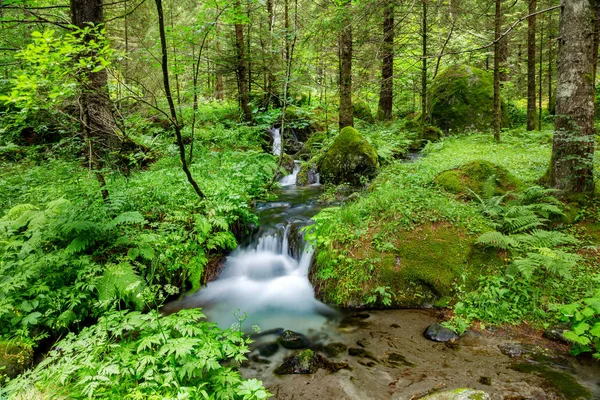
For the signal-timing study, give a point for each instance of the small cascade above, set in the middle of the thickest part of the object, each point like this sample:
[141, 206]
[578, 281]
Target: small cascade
[276, 132]
[268, 277]
[290, 180]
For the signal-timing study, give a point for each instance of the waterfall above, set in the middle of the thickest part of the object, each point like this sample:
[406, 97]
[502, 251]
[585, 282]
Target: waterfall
[276, 141]
[268, 277]
[290, 180]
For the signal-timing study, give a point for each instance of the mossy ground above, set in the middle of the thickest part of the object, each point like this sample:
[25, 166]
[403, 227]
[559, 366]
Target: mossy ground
[14, 359]
[478, 177]
[408, 234]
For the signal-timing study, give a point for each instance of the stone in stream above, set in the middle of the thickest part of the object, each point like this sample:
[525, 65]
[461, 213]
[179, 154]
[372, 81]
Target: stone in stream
[333, 349]
[438, 333]
[307, 362]
[268, 349]
[516, 350]
[458, 394]
[557, 333]
[293, 340]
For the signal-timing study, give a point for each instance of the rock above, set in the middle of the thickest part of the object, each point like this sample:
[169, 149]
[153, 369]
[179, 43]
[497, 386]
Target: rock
[293, 340]
[307, 175]
[557, 333]
[362, 353]
[480, 177]
[363, 111]
[438, 333]
[458, 394]
[333, 349]
[300, 123]
[288, 163]
[303, 362]
[308, 362]
[515, 350]
[14, 358]
[350, 159]
[485, 380]
[462, 99]
[268, 349]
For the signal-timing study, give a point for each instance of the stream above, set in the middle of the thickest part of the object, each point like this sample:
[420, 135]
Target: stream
[265, 283]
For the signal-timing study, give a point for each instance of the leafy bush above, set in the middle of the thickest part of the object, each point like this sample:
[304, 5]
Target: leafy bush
[134, 355]
[584, 317]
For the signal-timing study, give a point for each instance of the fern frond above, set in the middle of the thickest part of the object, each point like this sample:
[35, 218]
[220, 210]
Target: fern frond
[540, 238]
[121, 282]
[498, 240]
[127, 218]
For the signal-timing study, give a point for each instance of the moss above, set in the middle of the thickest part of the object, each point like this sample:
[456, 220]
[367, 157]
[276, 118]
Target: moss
[462, 98]
[301, 122]
[288, 163]
[480, 177]
[14, 358]
[564, 383]
[430, 133]
[363, 111]
[349, 158]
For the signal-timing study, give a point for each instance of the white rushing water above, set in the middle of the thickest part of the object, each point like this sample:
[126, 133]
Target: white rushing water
[290, 180]
[268, 278]
[276, 132]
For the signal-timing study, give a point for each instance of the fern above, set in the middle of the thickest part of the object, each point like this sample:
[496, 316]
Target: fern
[121, 282]
[128, 218]
[498, 240]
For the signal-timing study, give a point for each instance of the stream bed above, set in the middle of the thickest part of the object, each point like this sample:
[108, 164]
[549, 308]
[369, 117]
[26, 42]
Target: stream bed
[380, 354]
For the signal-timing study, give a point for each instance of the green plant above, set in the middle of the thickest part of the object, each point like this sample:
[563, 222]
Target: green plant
[584, 317]
[135, 355]
[382, 294]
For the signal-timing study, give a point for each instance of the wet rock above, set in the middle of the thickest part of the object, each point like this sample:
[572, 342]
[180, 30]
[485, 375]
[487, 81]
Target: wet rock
[14, 358]
[303, 362]
[362, 342]
[438, 333]
[458, 394]
[268, 349]
[397, 360]
[308, 362]
[485, 380]
[516, 350]
[362, 353]
[557, 333]
[274, 331]
[293, 340]
[333, 349]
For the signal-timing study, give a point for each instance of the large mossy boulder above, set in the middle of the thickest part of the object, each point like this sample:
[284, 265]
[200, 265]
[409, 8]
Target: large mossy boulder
[350, 159]
[480, 177]
[462, 99]
[418, 266]
[14, 359]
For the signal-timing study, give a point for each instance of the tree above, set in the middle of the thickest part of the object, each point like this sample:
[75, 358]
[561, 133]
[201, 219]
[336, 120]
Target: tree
[386, 94]
[242, 65]
[497, 46]
[573, 145]
[346, 115]
[531, 113]
[96, 115]
[424, 63]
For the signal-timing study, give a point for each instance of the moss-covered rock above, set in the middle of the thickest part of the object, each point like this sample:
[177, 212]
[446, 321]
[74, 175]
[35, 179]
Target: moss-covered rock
[480, 177]
[363, 111]
[288, 163]
[14, 359]
[350, 158]
[418, 266]
[307, 174]
[462, 98]
[300, 123]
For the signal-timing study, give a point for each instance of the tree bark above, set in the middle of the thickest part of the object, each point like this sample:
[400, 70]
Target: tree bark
[497, 105]
[424, 64]
[97, 118]
[346, 114]
[242, 68]
[272, 96]
[573, 145]
[531, 112]
[386, 94]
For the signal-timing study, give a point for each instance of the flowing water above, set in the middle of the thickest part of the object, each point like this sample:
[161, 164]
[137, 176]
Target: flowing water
[267, 277]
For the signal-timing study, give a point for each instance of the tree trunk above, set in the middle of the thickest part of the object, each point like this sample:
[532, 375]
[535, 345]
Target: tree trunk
[96, 110]
[540, 75]
[573, 145]
[346, 116]
[386, 95]
[272, 96]
[219, 72]
[173, 113]
[531, 113]
[497, 105]
[424, 64]
[596, 38]
[242, 68]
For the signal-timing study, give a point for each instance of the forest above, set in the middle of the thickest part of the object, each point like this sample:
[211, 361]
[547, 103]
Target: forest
[345, 199]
